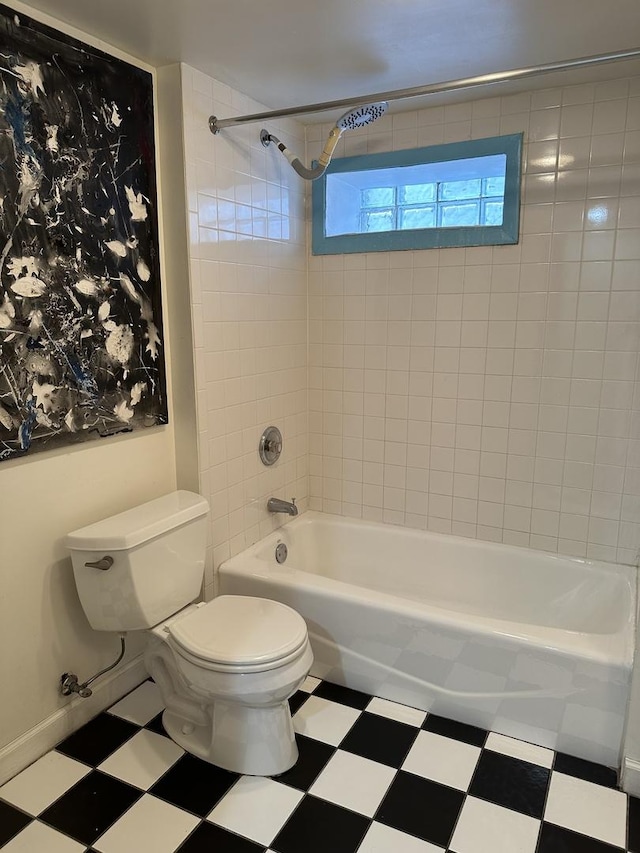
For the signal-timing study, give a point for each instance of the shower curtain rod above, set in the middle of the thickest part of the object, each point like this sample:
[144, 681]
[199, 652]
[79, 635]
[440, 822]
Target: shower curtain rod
[216, 124]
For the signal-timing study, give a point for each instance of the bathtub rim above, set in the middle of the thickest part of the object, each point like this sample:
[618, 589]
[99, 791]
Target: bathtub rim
[311, 515]
[615, 648]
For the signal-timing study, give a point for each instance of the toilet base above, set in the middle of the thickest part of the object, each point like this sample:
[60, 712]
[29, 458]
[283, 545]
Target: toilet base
[252, 741]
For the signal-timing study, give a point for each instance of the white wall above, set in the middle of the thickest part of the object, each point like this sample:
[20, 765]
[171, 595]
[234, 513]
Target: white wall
[43, 630]
[493, 392]
[249, 301]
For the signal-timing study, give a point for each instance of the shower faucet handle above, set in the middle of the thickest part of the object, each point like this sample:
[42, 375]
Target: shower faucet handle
[273, 445]
[270, 446]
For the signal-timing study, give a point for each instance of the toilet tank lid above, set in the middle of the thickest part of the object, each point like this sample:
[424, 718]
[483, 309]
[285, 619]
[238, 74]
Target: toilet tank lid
[139, 524]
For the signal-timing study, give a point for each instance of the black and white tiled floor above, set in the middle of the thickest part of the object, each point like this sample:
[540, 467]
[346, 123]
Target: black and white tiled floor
[373, 777]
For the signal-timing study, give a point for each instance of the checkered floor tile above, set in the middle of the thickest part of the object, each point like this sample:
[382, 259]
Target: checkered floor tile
[372, 777]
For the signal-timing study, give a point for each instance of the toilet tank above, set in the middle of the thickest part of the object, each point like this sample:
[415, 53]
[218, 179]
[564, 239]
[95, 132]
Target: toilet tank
[156, 553]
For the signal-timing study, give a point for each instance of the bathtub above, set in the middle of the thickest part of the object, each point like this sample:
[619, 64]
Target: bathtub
[525, 643]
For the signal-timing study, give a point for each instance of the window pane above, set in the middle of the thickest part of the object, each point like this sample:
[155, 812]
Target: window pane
[378, 197]
[454, 190]
[417, 217]
[417, 199]
[493, 213]
[377, 220]
[459, 214]
[493, 186]
[417, 193]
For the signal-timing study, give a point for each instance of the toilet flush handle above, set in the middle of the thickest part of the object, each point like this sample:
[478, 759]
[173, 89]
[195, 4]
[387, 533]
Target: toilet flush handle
[103, 564]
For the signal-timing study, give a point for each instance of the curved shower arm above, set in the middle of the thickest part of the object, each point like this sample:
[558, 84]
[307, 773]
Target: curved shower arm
[315, 172]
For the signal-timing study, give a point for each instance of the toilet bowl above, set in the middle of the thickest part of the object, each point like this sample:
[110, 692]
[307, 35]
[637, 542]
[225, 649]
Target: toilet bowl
[225, 671]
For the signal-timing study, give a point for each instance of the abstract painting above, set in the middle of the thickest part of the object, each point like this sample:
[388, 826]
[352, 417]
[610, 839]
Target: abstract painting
[81, 340]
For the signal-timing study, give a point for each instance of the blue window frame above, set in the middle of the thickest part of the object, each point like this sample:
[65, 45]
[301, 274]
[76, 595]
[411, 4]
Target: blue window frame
[458, 194]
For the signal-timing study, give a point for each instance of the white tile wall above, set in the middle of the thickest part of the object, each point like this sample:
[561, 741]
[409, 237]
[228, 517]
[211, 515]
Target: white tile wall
[494, 392]
[249, 302]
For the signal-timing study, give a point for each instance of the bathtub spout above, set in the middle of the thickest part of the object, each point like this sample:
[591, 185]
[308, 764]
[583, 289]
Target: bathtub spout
[278, 505]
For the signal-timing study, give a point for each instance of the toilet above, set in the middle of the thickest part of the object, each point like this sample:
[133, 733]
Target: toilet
[225, 669]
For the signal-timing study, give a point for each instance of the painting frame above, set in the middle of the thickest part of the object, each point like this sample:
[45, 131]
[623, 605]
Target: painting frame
[81, 326]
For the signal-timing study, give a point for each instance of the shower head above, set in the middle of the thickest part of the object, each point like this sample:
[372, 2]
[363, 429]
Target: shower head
[362, 116]
[359, 117]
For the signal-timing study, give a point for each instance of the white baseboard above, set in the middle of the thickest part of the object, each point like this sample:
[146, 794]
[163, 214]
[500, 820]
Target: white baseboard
[630, 777]
[26, 749]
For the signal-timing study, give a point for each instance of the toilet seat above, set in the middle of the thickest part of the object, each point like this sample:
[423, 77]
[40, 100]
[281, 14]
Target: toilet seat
[241, 634]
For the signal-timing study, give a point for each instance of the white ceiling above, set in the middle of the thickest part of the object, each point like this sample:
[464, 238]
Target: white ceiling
[289, 52]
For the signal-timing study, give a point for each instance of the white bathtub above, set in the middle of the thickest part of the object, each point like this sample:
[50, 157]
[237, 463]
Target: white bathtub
[529, 644]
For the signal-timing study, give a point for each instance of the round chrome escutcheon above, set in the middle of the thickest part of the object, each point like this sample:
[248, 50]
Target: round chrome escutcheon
[281, 552]
[270, 446]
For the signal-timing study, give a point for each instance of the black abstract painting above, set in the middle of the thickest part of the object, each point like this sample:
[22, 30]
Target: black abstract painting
[81, 352]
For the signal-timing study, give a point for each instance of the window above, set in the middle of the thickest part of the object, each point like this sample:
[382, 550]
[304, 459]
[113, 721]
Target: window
[460, 194]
